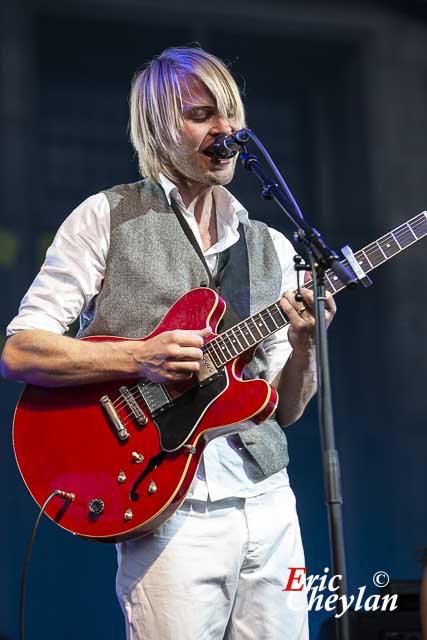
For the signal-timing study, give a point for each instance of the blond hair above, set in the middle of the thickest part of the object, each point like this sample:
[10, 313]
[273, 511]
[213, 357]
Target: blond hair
[156, 103]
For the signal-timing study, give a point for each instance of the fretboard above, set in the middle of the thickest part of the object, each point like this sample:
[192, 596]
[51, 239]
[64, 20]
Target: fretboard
[250, 332]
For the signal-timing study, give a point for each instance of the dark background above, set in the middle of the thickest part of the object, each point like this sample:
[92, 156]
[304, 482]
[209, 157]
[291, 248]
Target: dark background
[338, 93]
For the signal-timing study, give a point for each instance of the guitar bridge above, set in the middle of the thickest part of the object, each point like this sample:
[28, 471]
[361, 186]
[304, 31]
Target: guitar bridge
[114, 418]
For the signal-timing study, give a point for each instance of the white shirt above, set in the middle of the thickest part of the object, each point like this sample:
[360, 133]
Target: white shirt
[72, 275]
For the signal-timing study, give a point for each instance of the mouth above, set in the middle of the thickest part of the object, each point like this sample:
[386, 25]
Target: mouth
[219, 162]
[213, 156]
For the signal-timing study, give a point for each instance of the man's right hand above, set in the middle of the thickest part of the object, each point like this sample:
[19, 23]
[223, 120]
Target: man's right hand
[171, 356]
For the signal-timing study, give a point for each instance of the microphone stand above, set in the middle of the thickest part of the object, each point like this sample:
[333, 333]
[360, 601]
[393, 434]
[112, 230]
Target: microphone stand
[320, 258]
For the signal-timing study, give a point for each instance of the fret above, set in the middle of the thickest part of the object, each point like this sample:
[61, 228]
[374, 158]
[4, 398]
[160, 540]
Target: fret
[247, 333]
[235, 330]
[279, 316]
[222, 341]
[331, 288]
[270, 319]
[419, 225]
[252, 340]
[381, 249]
[366, 258]
[254, 326]
[276, 310]
[272, 315]
[376, 256]
[335, 283]
[261, 325]
[328, 275]
[266, 318]
[242, 335]
[395, 239]
[210, 349]
[217, 353]
[406, 236]
[388, 245]
[328, 285]
[229, 335]
[409, 226]
[282, 318]
[362, 259]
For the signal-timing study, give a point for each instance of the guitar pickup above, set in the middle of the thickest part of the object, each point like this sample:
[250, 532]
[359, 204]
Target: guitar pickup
[155, 397]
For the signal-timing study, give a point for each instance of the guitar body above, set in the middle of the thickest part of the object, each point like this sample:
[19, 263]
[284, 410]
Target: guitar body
[125, 486]
[128, 451]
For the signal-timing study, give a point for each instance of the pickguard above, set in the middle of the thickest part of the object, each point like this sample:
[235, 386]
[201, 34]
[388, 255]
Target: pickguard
[176, 426]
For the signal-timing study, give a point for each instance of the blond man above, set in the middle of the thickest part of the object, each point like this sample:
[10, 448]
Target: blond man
[217, 568]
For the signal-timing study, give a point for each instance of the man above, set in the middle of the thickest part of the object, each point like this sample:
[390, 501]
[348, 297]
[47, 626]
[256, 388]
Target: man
[217, 568]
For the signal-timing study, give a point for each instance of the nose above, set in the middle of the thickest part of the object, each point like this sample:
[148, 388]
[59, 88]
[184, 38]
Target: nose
[221, 125]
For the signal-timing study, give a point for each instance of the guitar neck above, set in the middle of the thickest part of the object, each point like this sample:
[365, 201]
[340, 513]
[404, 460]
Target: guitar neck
[250, 332]
[378, 252]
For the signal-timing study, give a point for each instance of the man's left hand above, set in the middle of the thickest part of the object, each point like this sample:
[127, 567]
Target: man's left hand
[301, 318]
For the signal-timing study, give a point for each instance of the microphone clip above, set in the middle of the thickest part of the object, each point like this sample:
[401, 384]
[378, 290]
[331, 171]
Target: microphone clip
[226, 146]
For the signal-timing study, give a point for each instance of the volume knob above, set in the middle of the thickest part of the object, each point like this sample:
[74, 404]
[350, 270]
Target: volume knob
[96, 506]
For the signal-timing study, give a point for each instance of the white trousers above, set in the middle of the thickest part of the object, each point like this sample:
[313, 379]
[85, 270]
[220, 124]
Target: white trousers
[216, 571]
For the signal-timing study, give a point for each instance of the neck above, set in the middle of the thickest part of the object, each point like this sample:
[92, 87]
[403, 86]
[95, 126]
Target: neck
[197, 198]
[200, 201]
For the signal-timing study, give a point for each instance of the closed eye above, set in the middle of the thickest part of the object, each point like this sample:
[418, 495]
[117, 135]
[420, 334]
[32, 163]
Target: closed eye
[199, 113]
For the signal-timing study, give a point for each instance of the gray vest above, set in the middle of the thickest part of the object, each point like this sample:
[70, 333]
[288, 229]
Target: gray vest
[151, 263]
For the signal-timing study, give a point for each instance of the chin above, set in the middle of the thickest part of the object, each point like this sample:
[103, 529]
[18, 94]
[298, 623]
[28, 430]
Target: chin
[220, 178]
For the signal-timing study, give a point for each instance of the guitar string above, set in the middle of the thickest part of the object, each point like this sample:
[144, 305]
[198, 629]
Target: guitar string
[373, 249]
[207, 348]
[220, 341]
[122, 403]
[250, 324]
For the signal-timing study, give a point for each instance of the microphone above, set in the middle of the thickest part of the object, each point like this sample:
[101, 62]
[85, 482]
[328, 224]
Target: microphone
[227, 146]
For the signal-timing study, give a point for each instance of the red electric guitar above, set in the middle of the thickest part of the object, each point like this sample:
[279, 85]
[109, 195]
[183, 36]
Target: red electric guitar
[128, 451]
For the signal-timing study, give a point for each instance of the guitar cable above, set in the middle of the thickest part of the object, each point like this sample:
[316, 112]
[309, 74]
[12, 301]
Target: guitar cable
[62, 494]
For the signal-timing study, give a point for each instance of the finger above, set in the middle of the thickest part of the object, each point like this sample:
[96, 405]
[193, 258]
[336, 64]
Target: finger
[183, 367]
[292, 312]
[303, 307]
[289, 296]
[174, 377]
[186, 354]
[330, 303]
[186, 337]
[205, 333]
[307, 298]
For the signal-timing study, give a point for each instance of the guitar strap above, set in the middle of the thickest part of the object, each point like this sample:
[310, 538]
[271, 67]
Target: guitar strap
[232, 278]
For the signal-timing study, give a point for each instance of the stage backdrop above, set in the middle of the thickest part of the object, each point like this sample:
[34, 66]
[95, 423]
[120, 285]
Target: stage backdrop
[338, 96]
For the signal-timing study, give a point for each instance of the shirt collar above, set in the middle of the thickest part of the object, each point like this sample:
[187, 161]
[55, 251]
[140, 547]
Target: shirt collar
[227, 205]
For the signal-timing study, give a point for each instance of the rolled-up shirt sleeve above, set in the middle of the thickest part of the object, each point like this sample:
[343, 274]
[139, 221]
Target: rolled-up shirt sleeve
[72, 273]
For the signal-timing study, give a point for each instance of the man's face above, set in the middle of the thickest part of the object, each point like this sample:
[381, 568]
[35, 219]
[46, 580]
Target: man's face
[202, 123]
